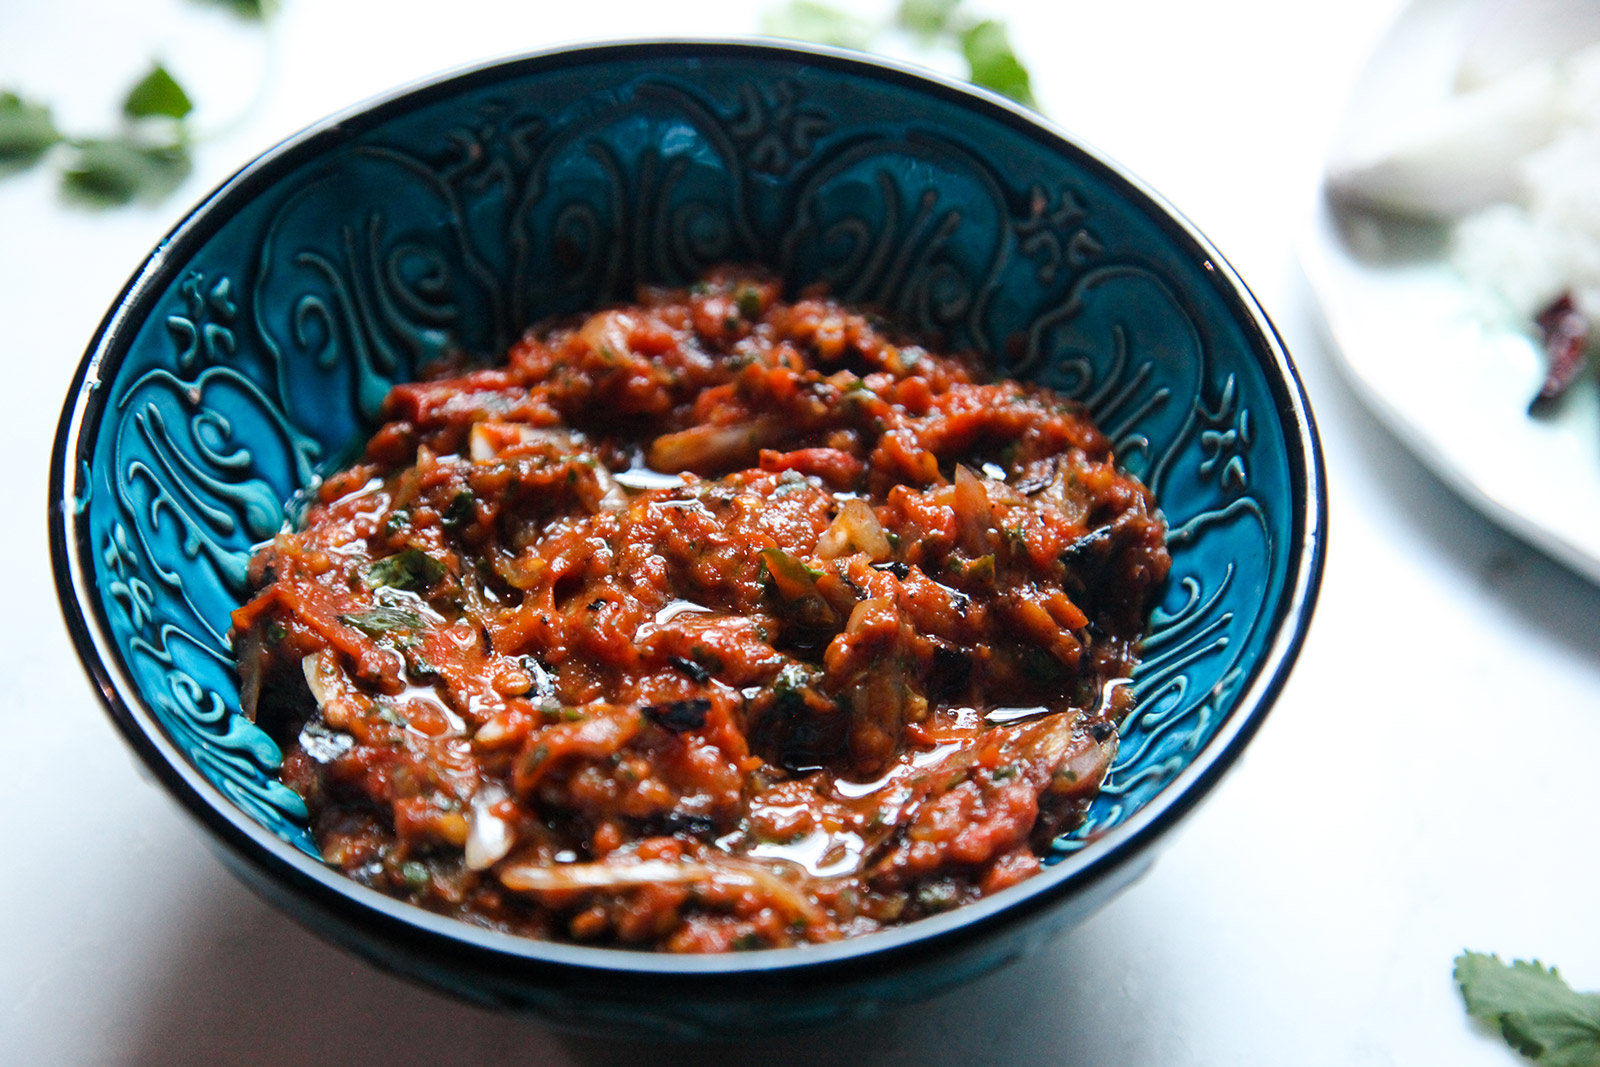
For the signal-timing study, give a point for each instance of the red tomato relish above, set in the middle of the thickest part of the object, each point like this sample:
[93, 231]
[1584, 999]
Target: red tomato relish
[712, 622]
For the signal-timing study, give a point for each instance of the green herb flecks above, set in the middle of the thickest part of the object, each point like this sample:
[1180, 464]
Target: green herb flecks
[381, 621]
[1537, 1012]
[937, 896]
[749, 300]
[796, 586]
[461, 512]
[791, 680]
[979, 571]
[421, 666]
[410, 568]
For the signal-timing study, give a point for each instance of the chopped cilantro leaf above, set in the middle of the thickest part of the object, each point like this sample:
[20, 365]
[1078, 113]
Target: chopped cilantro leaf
[462, 510]
[749, 301]
[410, 568]
[937, 896]
[382, 620]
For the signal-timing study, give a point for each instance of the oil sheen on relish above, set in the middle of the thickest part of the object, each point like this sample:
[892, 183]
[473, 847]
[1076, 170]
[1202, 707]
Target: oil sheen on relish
[715, 621]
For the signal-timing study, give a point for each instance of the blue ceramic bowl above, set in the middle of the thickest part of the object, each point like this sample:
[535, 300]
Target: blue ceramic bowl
[253, 348]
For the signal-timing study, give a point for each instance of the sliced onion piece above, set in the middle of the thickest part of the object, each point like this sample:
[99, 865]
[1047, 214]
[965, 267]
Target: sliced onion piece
[790, 901]
[489, 837]
[312, 667]
[612, 496]
[486, 440]
[855, 529]
[974, 512]
[544, 878]
[707, 448]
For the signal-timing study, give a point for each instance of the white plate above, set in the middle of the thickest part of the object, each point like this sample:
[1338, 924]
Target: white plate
[1452, 387]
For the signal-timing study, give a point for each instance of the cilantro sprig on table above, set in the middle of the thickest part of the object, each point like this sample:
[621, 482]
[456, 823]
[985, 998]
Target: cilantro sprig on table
[983, 43]
[1537, 1012]
[146, 158]
[254, 10]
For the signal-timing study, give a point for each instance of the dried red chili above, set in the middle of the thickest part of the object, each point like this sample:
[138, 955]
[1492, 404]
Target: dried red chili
[1564, 334]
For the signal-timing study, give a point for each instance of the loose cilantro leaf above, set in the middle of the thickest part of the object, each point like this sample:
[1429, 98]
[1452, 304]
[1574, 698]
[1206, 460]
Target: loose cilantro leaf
[381, 620]
[1539, 1014]
[410, 568]
[26, 132]
[255, 10]
[118, 169]
[157, 93]
[929, 17]
[809, 20]
[141, 162]
[992, 62]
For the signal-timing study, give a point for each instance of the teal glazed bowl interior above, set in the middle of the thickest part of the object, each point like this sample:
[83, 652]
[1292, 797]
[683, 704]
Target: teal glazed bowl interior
[252, 350]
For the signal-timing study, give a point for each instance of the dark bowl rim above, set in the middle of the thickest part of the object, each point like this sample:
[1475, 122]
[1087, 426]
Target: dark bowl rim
[338, 897]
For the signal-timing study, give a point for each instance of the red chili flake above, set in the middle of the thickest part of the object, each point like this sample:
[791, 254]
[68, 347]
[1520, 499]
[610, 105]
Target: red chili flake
[1564, 330]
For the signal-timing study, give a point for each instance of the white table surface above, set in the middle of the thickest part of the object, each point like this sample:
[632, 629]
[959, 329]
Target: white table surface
[1426, 782]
